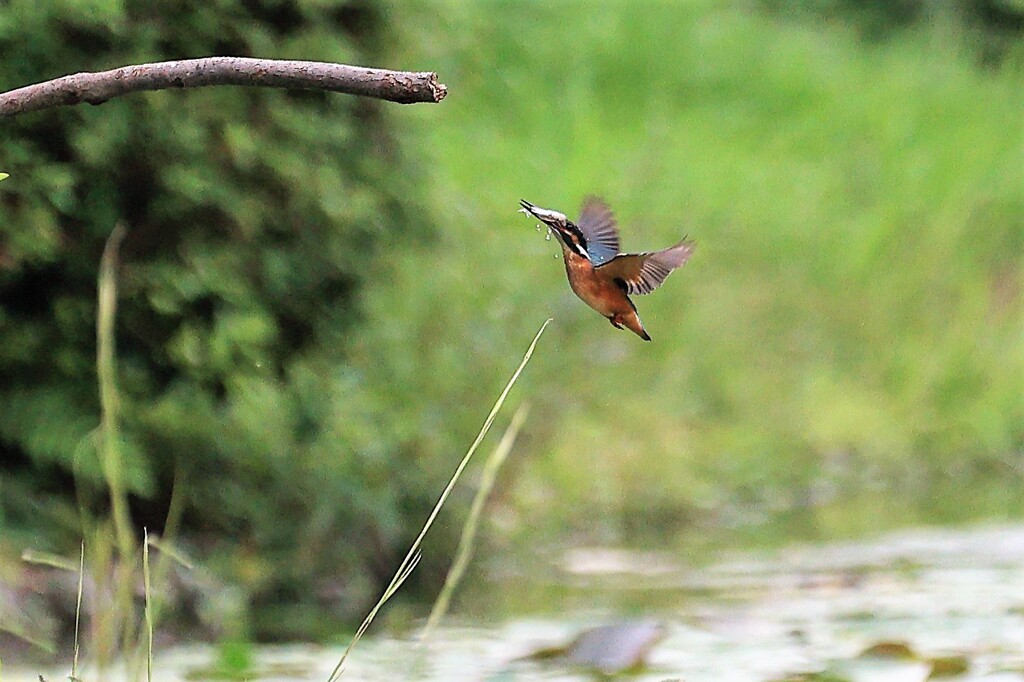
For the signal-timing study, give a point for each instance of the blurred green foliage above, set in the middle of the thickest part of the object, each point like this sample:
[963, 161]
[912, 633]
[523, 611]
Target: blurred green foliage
[313, 360]
[852, 319]
[991, 27]
[254, 219]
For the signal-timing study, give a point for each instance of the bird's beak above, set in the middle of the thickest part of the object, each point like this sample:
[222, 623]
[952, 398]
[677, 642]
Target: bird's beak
[542, 214]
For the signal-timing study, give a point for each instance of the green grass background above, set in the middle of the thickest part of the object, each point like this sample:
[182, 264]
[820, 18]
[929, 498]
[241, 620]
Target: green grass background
[851, 322]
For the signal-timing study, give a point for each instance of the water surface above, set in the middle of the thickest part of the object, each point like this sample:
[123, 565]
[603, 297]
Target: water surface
[750, 616]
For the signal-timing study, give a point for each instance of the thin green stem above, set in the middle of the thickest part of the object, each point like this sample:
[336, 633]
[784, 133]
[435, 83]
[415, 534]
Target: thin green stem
[405, 568]
[149, 604]
[106, 369]
[465, 548]
[78, 608]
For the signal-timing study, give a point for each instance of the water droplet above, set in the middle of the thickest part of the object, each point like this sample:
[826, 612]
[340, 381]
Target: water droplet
[556, 256]
[547, 237]
[538, 227]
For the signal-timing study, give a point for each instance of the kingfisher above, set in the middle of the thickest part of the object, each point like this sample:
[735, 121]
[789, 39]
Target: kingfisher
[602, 277]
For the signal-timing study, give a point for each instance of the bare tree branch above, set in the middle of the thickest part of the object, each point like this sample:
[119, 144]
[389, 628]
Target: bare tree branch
[404, 87]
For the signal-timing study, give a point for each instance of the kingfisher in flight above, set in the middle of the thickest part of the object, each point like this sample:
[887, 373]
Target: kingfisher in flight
[602, 277]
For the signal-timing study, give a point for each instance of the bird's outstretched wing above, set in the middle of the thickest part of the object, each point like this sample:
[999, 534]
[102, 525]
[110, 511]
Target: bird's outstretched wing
[598, 227]
[642, 273]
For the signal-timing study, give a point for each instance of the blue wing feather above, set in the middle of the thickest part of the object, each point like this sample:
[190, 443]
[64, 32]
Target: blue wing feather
[598, 227]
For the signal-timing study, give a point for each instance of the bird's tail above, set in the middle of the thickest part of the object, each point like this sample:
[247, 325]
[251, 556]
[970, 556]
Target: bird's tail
[633, 324]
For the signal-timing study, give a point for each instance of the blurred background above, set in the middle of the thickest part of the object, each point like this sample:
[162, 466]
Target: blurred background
[321, 296]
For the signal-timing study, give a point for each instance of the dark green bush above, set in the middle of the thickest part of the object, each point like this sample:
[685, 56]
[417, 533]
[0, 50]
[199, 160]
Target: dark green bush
[254, 217]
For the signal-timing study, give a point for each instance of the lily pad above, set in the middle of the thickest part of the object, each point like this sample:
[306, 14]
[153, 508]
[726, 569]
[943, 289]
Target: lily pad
[948, 666]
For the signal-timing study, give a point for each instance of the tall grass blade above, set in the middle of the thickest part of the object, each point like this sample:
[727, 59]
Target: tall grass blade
[465, 548]
[106, 370]
[412, 558]
[147, 584]
[118, 571]
[158, 573]
[166, 548]
[404, 571]
[78, 608]
[31, 556]
[19, 631]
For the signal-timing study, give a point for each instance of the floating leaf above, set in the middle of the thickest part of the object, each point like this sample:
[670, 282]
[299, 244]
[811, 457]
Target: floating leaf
[948, 666]
[897, 650]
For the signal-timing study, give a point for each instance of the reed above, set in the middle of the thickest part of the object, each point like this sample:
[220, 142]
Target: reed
[413, 556]
[465, 549]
